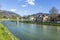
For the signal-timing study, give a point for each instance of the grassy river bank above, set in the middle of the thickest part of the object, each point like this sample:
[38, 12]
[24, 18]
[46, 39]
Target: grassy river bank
[5, 34]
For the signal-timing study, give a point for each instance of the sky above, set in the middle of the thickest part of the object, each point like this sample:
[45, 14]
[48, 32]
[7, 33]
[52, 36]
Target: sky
[29, 7]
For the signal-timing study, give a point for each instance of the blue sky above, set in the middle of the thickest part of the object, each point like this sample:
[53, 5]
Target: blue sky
[28, 7]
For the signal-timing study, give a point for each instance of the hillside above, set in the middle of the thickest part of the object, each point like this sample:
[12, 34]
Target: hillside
[8, 14]
[36, 15]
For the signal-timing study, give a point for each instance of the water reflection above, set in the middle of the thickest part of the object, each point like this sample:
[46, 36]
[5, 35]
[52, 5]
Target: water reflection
[58, 29]
[45, 29]
[17, 22]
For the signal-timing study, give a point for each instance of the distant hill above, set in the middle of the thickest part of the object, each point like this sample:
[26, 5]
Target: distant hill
[8, 14]
[36, 15]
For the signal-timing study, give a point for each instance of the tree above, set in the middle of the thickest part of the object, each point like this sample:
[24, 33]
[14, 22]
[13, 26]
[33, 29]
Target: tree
[5, 17]
[14, 17]
[54, 11]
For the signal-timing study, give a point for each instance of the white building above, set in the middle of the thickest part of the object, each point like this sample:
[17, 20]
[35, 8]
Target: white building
[31, 18]
[45, 18]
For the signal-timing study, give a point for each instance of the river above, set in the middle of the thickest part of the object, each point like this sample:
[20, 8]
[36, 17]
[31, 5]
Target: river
[25, 31]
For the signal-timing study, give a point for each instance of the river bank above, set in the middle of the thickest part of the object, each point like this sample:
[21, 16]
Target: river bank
[42, 23]
[5, 34]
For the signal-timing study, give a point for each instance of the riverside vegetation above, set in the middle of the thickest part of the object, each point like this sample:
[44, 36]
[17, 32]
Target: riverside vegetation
[5, 34]
[42, 23]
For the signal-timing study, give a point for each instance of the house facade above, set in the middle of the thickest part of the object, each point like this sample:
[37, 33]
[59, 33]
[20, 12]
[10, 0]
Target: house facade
[45, 18]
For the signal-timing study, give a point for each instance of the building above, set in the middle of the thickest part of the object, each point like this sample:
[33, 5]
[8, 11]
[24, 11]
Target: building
[32, 18]
[45, 18]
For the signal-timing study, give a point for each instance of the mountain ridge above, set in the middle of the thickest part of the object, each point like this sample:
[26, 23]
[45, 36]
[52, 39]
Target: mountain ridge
[8, 13]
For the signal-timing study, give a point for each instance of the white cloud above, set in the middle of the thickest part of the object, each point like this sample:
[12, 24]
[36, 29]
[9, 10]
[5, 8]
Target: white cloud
[31, 2]
[24, 5]
[13, 10]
